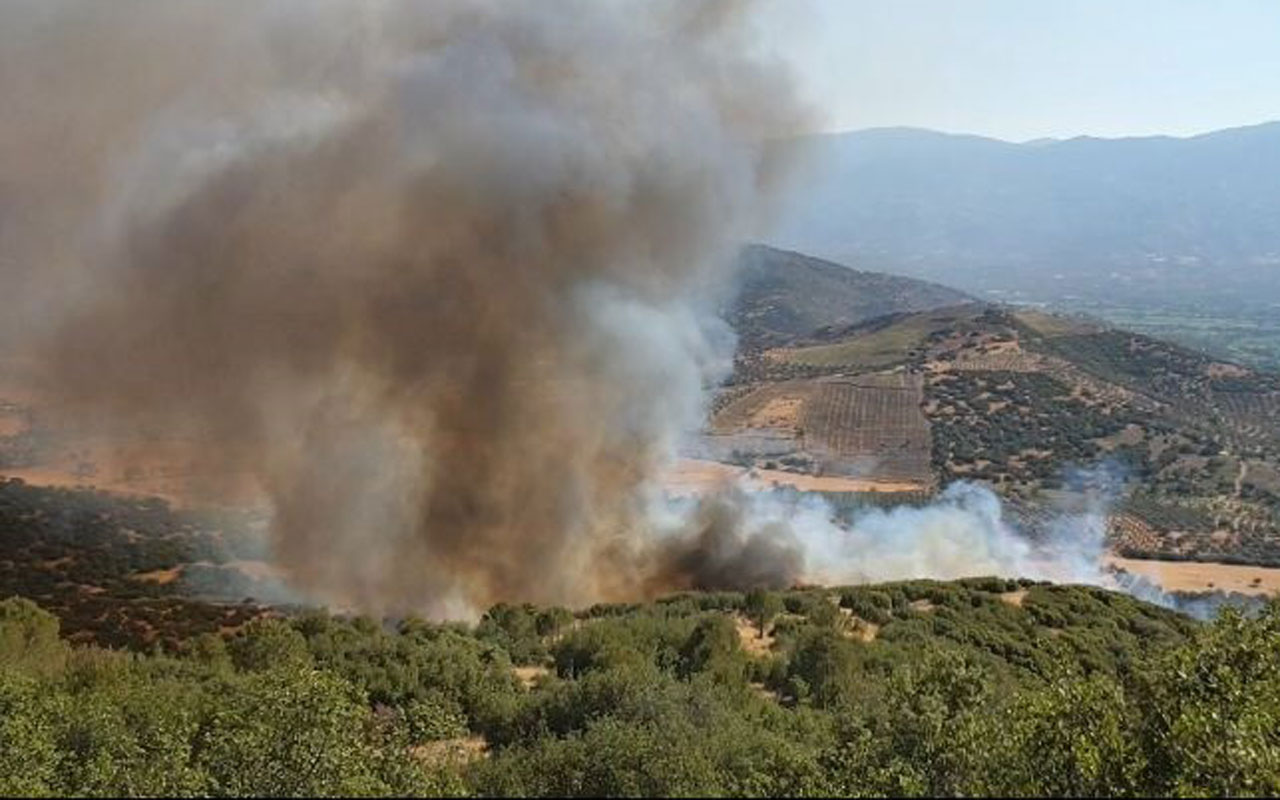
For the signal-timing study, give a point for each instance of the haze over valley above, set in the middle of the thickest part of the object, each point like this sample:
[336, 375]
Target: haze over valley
[1175, 236]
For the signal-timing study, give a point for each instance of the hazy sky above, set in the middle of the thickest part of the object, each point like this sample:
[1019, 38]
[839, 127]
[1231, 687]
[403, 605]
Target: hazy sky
[1022, 69]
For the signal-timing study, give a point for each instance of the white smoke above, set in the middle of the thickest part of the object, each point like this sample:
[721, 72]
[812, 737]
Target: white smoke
[965, 532]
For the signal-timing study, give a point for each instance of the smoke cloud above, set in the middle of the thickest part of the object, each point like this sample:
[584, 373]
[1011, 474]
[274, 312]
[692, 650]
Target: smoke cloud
[435, 272]
[439, 275]
[794, 537]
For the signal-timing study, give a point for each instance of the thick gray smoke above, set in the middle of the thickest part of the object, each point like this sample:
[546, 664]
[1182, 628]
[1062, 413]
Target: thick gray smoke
[436, 274]
[434, 271]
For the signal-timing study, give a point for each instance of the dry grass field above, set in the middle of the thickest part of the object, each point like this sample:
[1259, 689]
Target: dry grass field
[869, 428]
[1192, 576]
[691, 476]
[775, 407]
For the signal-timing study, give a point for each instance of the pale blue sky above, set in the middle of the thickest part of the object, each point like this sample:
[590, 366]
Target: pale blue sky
[1023, 69]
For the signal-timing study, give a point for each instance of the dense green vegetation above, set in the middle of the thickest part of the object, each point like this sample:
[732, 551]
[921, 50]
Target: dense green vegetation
[920, 688]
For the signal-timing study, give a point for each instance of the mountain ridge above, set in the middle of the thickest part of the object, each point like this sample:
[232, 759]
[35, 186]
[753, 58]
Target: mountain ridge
[1156, 221]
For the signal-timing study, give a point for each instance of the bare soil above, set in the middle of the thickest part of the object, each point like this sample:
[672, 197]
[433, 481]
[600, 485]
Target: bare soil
[697, 476]
[753, 643]
[529, 676]
[1192, 576]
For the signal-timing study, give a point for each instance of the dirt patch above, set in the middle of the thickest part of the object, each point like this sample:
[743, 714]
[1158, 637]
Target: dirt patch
[1014, 598]
[778, 412]
[530, 676]
[453, 752]
[699, 476]
[776, 406]
[923, 606]
[1192, 576]
[832, 483]
[860, 629]
[753, 644]
[160, 576]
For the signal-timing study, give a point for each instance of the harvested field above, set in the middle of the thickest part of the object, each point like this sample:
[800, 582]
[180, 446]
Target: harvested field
[775, 407]
[871, 425]
[998, 357]
[779, 412]
[1192, 576]
[698, 476]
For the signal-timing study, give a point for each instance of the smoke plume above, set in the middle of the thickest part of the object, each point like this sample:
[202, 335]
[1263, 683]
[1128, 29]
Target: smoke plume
[434, 271]
[438, 275]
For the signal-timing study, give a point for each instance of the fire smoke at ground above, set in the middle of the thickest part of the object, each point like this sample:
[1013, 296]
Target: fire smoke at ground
[439, 272]
[439, 268]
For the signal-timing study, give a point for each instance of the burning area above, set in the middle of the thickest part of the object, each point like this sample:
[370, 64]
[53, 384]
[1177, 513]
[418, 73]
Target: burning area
[439, 278]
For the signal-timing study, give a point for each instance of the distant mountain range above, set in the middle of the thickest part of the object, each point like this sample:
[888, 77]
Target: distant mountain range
[786, 295]
[1191, 222]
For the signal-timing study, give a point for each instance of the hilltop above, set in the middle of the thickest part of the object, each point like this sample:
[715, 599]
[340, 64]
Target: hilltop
[784, 295]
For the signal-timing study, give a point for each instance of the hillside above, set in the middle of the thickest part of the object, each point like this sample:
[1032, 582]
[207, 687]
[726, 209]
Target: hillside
[1024, 401]
[785, 295]
[1152, 222]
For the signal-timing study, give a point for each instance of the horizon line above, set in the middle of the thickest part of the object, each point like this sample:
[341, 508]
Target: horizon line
[1038, 139]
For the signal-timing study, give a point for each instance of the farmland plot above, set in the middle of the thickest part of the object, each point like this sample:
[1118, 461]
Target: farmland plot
[1252, 418]
[870, 424]
[765, 422]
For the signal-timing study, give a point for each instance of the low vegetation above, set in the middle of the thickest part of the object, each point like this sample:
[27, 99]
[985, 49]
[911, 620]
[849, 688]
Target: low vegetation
[912, 689]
